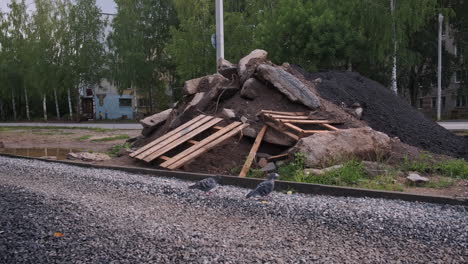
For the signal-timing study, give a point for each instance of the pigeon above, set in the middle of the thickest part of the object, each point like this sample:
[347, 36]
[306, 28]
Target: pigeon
[207, 184]
[264, 188]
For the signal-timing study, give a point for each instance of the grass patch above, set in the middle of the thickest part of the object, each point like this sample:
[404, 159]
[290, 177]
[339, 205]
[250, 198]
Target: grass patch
[112, 138]
[424, 163]
[443, 182]
[85, 137]
[116, 148]
[254, 173]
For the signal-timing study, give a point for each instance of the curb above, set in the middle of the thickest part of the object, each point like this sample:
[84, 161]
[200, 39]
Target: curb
[306, 188]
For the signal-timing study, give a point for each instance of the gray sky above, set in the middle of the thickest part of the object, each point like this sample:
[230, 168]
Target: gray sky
[107, 6]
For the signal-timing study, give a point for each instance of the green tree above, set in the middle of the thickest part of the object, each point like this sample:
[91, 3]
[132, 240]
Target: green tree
[137, 44]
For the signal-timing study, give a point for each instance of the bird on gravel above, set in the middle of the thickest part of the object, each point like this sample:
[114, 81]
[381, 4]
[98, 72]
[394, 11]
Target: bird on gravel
[264, 188]
[207, 185]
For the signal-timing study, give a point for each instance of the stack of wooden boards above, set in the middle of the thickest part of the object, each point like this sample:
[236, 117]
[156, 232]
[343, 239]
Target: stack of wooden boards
[284, 123]
[184, 134]
[287, 123]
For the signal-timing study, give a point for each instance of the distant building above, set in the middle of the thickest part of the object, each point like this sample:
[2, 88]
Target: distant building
[454, 99]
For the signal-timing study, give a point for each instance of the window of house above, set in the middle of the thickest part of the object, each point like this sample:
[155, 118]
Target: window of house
[125, 102]
[462, 101]
[457, 76]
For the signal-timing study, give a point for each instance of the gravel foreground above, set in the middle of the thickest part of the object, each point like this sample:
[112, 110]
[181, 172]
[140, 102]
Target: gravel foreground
[107, 216]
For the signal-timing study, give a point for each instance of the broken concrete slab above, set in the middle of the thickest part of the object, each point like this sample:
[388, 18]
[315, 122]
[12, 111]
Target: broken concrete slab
[87, 156]
[416, 178]
[227, 69]
[151, 123]
[269, 167]
[289, 85]
[271, 136]
[248, 64]
[203, 84]
[250, 88]
[358, 142]
[262, 162]
[309, 171]
[228, 113]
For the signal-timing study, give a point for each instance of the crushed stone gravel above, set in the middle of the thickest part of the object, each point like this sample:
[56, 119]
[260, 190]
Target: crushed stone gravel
[110, 216]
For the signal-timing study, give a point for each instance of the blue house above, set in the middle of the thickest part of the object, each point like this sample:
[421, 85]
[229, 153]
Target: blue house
[109, 104]
[105, 102]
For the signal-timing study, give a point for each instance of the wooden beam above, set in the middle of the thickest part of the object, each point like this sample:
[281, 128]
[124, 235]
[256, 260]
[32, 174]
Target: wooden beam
[278, 157]
[253, 152]
[277, 128]
[329, 126]
[174, 136]
[165, 158]
[293, 127]
[201, 144]
[284, 113]
[167, 135]
[304, 121]
[182, 139]
[288, 117]
[315, 131]
[205, 148]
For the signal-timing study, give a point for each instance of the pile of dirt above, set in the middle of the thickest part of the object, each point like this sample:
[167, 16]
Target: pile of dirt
[239, 92]
[385, 112]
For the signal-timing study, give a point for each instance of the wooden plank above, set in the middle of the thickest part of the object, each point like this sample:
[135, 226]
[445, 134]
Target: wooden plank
[329, 126]
[291, 135]
[207, 147]
[315, 131]
[293, 127]
[253, 152]
[284, 113]
[200, 145]
[288, 117]
[305, 121]
[278, 157]
[182, 139]
[165, 158]
[174, 137]
[164, 137]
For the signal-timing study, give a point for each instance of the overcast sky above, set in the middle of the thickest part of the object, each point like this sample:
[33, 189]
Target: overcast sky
[107, 6]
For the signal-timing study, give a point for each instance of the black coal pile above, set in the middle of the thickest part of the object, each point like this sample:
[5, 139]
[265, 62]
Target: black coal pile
[385, 112]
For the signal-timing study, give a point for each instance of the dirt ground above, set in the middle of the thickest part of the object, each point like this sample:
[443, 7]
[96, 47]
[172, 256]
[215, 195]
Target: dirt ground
[76, 139]
[58, 142]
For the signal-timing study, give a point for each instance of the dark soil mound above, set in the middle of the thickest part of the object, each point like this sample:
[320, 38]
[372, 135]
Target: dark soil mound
[385, 112]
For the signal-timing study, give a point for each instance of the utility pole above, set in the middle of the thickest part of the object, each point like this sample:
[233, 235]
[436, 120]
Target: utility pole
[439, 69]
[219, 31]
[394, 70]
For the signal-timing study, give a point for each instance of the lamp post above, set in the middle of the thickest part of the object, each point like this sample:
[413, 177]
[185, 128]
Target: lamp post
[439, 69]
[219, 31]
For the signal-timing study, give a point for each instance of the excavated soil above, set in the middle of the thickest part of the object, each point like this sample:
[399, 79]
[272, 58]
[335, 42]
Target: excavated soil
[385, 112]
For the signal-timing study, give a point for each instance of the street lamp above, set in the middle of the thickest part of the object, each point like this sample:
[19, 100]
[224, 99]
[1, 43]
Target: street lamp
[439, 74]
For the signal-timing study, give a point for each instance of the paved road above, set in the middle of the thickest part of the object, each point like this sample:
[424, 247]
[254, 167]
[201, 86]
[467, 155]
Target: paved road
[55, 213]
[450, 125]
[97, 125]
[455, 125]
